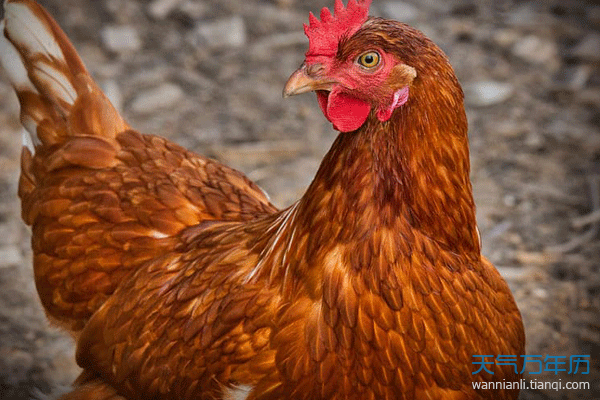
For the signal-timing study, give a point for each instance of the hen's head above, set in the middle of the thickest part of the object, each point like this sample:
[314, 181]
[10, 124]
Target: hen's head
[358, 65]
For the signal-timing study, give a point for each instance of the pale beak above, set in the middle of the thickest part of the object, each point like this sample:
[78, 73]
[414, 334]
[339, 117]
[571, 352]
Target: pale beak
[304, 80]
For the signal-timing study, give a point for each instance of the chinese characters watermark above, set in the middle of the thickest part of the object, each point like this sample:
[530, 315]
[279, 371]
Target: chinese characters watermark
[577, 364]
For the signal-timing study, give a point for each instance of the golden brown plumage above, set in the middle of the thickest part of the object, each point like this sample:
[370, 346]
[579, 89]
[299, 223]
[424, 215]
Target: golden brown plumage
[101, 198]
[181, 281]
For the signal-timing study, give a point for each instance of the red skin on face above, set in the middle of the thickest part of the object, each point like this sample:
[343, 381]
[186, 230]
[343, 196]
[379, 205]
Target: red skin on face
[357, 90]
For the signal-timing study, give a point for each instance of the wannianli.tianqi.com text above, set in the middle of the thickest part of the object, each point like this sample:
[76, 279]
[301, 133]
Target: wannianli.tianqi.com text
[534, 384]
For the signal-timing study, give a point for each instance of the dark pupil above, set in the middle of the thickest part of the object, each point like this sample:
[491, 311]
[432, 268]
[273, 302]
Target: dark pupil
[369, 59]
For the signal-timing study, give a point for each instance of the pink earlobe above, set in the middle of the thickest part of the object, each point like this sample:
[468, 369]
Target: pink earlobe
[400, 97]
[345, 112]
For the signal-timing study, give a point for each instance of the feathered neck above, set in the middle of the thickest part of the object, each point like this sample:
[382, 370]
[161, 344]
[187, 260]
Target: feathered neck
[382, 193]
[411, 172]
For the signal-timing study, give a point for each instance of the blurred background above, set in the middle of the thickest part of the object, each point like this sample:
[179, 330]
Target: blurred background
[208, 75]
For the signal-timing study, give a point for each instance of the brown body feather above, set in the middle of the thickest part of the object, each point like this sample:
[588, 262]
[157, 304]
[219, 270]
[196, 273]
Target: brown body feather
[93, 225]
[181, 280]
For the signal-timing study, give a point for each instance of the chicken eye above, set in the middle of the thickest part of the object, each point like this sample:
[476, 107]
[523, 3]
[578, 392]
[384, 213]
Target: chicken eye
[369, 59]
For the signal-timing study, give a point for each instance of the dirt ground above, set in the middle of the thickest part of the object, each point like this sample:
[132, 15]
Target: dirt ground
[208, 74]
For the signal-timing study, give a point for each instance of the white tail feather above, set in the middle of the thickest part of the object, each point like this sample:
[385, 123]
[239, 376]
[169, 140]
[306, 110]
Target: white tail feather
[58, 96]
[58, 82]
[13, 64]
[28, 140]
[17, 74]
[28, 31]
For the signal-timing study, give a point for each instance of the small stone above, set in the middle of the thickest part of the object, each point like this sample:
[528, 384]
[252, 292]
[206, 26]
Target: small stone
[509, 200]
[581, 77]
[285, 3]
[161, 97]
[121, 39]
[487, 93]
[9, 233]
[589, 48]
[534, 258]
[593, 15]
[505, 38]
[159, 9]
[10, 256]
[513, 273]
[194, 10]
[465, 9]
[462, 29]
[400, 11]
[171, 40]
[573, 78]
[208, 134]
[537, 51]
[223, 33]
[124, 12]
[498, 230]
[523, 16]
[17, 364]
[534, 140]
[510, 128]
[590, 97]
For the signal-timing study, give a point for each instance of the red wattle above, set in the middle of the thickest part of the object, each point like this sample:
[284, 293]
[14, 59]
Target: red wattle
[345, 112]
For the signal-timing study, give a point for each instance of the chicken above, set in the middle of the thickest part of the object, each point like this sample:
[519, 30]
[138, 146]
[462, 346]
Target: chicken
[178, 278]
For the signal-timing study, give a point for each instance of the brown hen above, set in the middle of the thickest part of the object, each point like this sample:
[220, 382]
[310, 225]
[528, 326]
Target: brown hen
[181, 281]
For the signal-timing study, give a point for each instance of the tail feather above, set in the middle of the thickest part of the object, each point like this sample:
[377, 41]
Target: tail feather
[17, 73]
[54, 88]
[13, 65]
[41, 42]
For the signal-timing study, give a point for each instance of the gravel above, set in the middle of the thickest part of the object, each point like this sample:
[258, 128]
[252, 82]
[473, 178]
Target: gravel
[223, 33]
[152, 100]
[121, 39]
[487, 93]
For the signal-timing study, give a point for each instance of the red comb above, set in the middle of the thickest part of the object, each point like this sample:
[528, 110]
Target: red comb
[324, 35]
